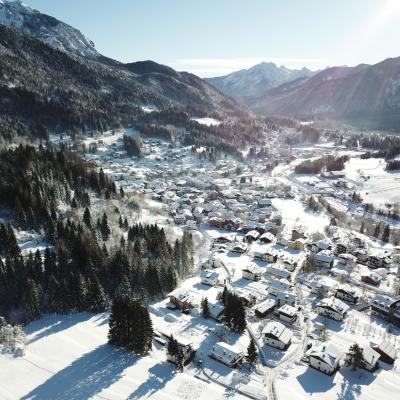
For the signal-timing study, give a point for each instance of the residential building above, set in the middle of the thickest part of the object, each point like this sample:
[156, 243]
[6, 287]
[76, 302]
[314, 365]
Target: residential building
[275, 334]
[227, 354]
[332, 308]
[325, 357]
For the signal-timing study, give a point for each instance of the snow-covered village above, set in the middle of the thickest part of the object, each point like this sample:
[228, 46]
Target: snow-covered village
[188, 248]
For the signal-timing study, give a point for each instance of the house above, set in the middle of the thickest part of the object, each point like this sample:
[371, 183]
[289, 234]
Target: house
[248, 298]
[271, 256]
[347, 259]
[264, 308]
[297, 234]
[341, 248]
[287, 313]
[332, 308]
[252, 273]
[239, 248]
[216, 311]
[387, 352]
[227, 354]
[276, 286]
[180, 298]
[325, 357]
[285, 297]
[276, 335]
[180, 219]
[324, 259]
[298, 244]
[347, 294]
[282, 239]
[251, 236]
[211, 278]
[185, 348]
[371, 278]
[289, 263]
[333, 174]
[370, 359]
[278, 272]
[316, 247]
[216, 222]
[222, 239]
[386, 308]
[267, 237]
[261, 203]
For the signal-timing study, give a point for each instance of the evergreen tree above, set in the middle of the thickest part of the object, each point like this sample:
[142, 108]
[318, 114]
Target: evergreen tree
[87, 219]
[252, 352]
[355, 355]
[386, 233]
[32, 300]
[96, 300]
[104, 228]
[205, 309]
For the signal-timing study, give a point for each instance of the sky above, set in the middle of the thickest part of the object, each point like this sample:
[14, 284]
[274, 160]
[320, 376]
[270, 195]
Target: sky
[216, 37]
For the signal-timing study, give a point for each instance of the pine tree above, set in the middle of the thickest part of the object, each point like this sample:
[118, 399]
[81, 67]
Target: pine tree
[252, 352]
[386, 233]
[32, 300]
[96, 298]
[87, 219]
[104, 228]
[205, 309]
[355, 355]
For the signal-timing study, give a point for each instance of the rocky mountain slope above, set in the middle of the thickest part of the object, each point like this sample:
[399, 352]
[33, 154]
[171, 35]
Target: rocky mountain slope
[365, 95]
[250, 83]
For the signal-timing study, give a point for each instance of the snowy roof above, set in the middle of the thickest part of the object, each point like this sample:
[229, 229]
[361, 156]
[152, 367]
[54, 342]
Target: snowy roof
[329, 353]
[336, 304]
[226, 351]
[387, 348]
[370, 355]
[266, 305]
[279, 331]
[209, 274]
[254, 269]
[288, 310]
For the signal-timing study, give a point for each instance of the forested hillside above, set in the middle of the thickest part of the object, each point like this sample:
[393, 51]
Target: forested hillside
[45, 190]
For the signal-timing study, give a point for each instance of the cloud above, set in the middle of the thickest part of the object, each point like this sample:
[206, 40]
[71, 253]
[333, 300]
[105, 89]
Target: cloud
[206, 67]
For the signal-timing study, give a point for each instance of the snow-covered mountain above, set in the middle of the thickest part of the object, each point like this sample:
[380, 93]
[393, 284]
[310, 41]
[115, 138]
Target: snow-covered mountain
[253, 82]
[46, 28]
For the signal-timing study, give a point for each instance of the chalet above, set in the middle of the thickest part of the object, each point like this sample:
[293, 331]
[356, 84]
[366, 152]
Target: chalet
[333, 174]
[278, 272]
[252, 272]
[347, 294]
[216, 222]
[239, 248]
[316, 247]
[276, 335]
[341, 248]
[211, 278]
[325, 357]
[376, 262]
[251, 236]
[298, 244]
[267, 237]
[370, 360]
[285, 297]
[180, 219]
[248, 298]
[324, 259]
[227, 354]
[271, 256]
[187, 352]
[289, 263]
[265, 308]
[386, 308]
[216, 311]
[276, 286]
[261, 203]
[181, 299]
[371, 278]
[287, 313]
[272, 227]
[282, 239]
[222, 239]
[332, 308]
[347, 259]
[258, 255]
[387, 352]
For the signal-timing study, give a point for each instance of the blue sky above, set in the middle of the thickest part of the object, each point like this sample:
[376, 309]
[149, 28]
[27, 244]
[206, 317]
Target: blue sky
[215, 37]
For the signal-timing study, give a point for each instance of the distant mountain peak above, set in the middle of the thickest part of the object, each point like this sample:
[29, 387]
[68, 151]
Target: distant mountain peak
[46, 28]
[253, 82]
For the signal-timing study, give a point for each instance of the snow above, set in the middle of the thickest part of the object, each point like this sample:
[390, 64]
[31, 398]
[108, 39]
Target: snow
[378, 185]
[207, 121]
[67, 357]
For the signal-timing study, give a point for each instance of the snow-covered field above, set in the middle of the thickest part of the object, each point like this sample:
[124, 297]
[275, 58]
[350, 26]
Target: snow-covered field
[379, 186]
[207, 121]
[67, 357]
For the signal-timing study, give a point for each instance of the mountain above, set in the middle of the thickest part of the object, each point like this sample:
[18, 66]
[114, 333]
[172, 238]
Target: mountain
[46, 28]
[365, 95]
[250, 83]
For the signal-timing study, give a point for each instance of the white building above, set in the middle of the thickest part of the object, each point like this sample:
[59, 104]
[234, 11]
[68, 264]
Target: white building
[277, 335]
[211, 278]
[332, 308]
[287, 313]
[347, 294]
[325, 357]
[226, 354]
[276, 286]
[252, 273]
